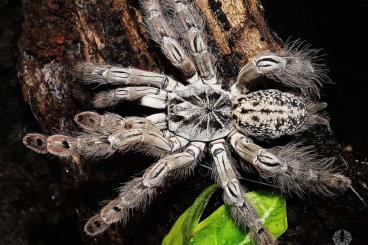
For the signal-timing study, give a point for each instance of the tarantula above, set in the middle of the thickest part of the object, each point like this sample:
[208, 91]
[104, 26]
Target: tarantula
[201, 114]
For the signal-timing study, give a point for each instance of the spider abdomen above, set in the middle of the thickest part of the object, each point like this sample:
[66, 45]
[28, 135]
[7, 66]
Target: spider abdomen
[199, 112]
[269, 113]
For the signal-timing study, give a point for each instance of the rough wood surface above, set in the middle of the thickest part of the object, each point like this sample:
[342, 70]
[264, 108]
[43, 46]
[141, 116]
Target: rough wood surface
[57, 34]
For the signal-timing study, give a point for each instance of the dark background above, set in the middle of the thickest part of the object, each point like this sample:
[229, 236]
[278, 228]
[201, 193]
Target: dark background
[340, 28]
[43, 202]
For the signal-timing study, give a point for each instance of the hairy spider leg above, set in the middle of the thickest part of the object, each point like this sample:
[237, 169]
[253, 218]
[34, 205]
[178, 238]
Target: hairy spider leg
[148, 96]
[163, 34]
[107, 74]
[110, 123]
[294, 168]
[148, 137]
[185, 17]
[138, 193]
[241, 210]
[297, 66]
[105, 135]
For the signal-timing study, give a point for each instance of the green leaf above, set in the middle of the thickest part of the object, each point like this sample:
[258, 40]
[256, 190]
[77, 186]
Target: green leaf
[180, 233]
[219, 228]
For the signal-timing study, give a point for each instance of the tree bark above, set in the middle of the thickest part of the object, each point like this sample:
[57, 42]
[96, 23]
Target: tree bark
[58, 34]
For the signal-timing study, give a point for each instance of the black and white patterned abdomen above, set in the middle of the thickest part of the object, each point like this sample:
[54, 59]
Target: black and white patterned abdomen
[199, 113]
[268, 113]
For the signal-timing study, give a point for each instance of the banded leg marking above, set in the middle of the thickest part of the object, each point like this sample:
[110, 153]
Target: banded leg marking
[192, 26]
[241, 209]
[151, 140]
[162, 33]
[294, 168]
[138, 193]
[106, 74]
[106, 134]
[149, 96]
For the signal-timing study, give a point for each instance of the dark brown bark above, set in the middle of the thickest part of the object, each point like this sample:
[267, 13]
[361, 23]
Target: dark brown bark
[57, 34]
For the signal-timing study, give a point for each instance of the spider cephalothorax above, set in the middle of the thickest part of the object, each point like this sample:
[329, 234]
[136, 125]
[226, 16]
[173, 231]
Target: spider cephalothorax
[200, 114]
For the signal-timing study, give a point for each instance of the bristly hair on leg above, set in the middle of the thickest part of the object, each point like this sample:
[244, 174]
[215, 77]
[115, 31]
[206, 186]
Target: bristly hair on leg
[95, 225]
[133, 195]
[89, 72]
[303, 69]
[180, 12]
[36, 142]
[306, 171]
[247, 218]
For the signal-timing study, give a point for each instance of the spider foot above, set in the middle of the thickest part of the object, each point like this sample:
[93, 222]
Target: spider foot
[138, 193]
[294, 168]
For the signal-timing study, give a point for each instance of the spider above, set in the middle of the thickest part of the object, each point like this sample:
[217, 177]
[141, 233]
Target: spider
[201, 114]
